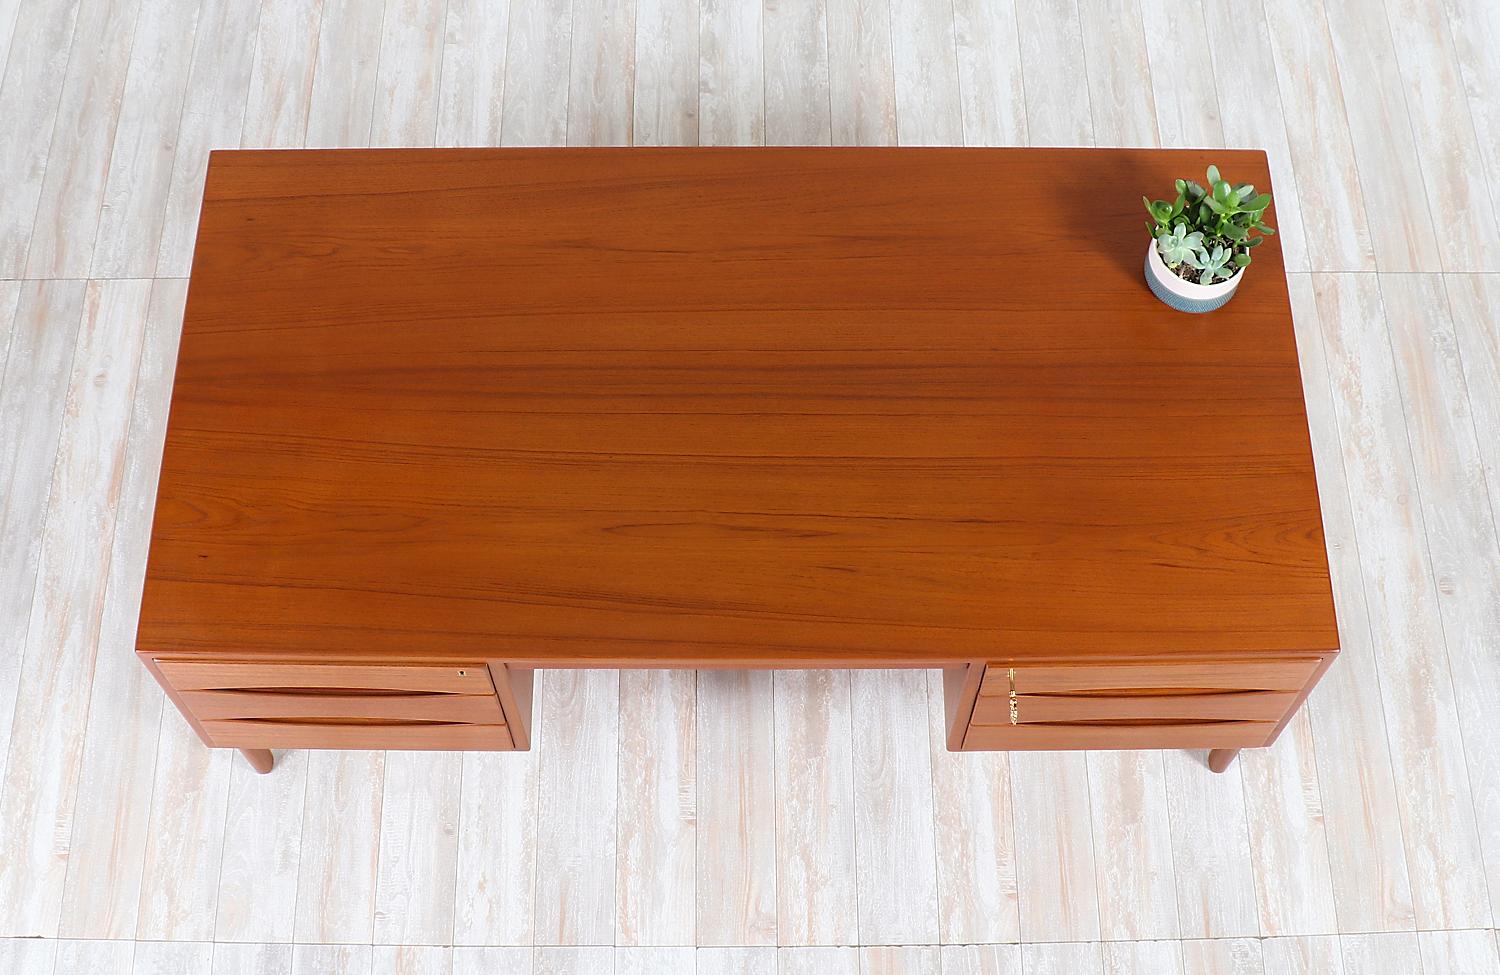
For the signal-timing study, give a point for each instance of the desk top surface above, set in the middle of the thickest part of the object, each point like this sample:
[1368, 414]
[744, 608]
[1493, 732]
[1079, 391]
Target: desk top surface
[733, 406]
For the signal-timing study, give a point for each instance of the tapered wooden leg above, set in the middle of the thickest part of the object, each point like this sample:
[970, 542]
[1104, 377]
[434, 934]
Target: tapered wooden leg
[1220, 758]
[260, 759]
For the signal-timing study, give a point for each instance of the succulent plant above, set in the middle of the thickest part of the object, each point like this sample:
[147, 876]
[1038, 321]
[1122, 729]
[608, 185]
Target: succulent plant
[1223, 217]
[1178, 244]
[1215, 265]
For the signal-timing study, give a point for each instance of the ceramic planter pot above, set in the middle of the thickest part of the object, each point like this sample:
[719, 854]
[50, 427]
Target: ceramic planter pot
[1186, 295]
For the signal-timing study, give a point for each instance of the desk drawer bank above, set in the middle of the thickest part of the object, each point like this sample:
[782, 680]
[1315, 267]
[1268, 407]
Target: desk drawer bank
[445, 417]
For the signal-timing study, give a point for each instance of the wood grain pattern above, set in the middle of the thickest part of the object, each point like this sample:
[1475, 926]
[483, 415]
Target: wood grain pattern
[1119, 73]
[107, 848]
[252, 959]
[736, 827]
[67, 212]
[1215, 881]
[1177, 47]
[1209, 553]
[416, 885]
[657, 808]
[281, 77]
[861, 73]
[31, 94]
[576, 808]
[257, 897]
[1317, 129]
[991, 88]
[497, 850]
[731, 74]
[1057, 106]
[601, 80]
[185, 839]
[816, 897]
[1132, 845]
[1224, 956]
[981, 959]
[409, 77]
[798, 111]
[1055, 866]
[213, 117]
[472, 94]
[134, 200]
[975, 836]
[666, 73]
[1421, 707]
[1367, 858]
[341, 109]
[340, 847]
[39, 789]
[928, 106]
[1458, 521]
[895, 857]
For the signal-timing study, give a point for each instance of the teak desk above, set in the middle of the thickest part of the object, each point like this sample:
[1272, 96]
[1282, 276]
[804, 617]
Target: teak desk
[445, 416]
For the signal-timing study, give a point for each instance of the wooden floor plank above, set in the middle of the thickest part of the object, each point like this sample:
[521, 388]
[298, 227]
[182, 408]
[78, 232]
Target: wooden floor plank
[67, 214]
[409, 76]
[981, 960]
[536, 74]
[487, 961]
[134, 201]
[1132, 846]
[577, 789]
[680, 960]
[861, 73]
[796, 65]
[336, 872]
[1187, 111]
[895, 858]
[1210, 849]
[1055, 871]
[415, 887]
[1075, 958]
[31, 92]
[173, 958]
[1332, 205]
[1381, 954]
[1474, 26]
[1288, 845]
[185, 837]
[497, 827]
[213, 115]
[1459, 525]
[262, 849]
[328, 959]
[472, 93]
[341, 109]
[1384, 150]
[991, 90]
[1303, 956]
[107, 850]
[1250, 109]
[411, 960]
[252, 959]
[1223, 956]
[736, 835]
[1421, 709]
[1443, 131]
[817, 961]
[281, 76]
[657, 811]
[815, 861]
[1367, 858]
[1118, 70]
[601, 73]
[1142, 957]
[33, 399]
[731, 74]
[900, 960]
[928, 106]
[1458, 952]
[975, 836]
[1472, 299]
[1052, 63]
[665, 100]
[46, 745]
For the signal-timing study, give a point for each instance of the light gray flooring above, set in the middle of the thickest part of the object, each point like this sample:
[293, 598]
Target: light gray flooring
[741, 812]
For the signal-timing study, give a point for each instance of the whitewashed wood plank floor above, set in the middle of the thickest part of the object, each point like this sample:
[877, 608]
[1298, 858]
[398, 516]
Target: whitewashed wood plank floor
[757, 824]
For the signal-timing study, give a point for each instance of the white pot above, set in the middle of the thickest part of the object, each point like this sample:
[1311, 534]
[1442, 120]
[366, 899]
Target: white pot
[1185, 295]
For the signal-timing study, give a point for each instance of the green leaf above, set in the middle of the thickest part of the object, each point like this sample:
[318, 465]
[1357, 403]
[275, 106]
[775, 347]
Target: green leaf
[1213, 175]
[1213, 204]
[1255, 241]
[1245, 190]
[1241, 260]
[1181, 185]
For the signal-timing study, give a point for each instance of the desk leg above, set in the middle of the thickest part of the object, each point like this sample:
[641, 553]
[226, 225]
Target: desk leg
[260, 759]
[1219, 759]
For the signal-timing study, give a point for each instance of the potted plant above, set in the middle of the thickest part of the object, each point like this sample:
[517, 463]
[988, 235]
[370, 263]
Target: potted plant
[1201, 241]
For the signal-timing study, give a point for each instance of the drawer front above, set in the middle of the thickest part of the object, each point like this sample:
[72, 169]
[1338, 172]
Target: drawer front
[1222, 704]
[275, 705]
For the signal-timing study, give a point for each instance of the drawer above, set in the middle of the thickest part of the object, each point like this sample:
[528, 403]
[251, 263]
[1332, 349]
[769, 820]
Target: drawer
[1220, 704]
[284, 705]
